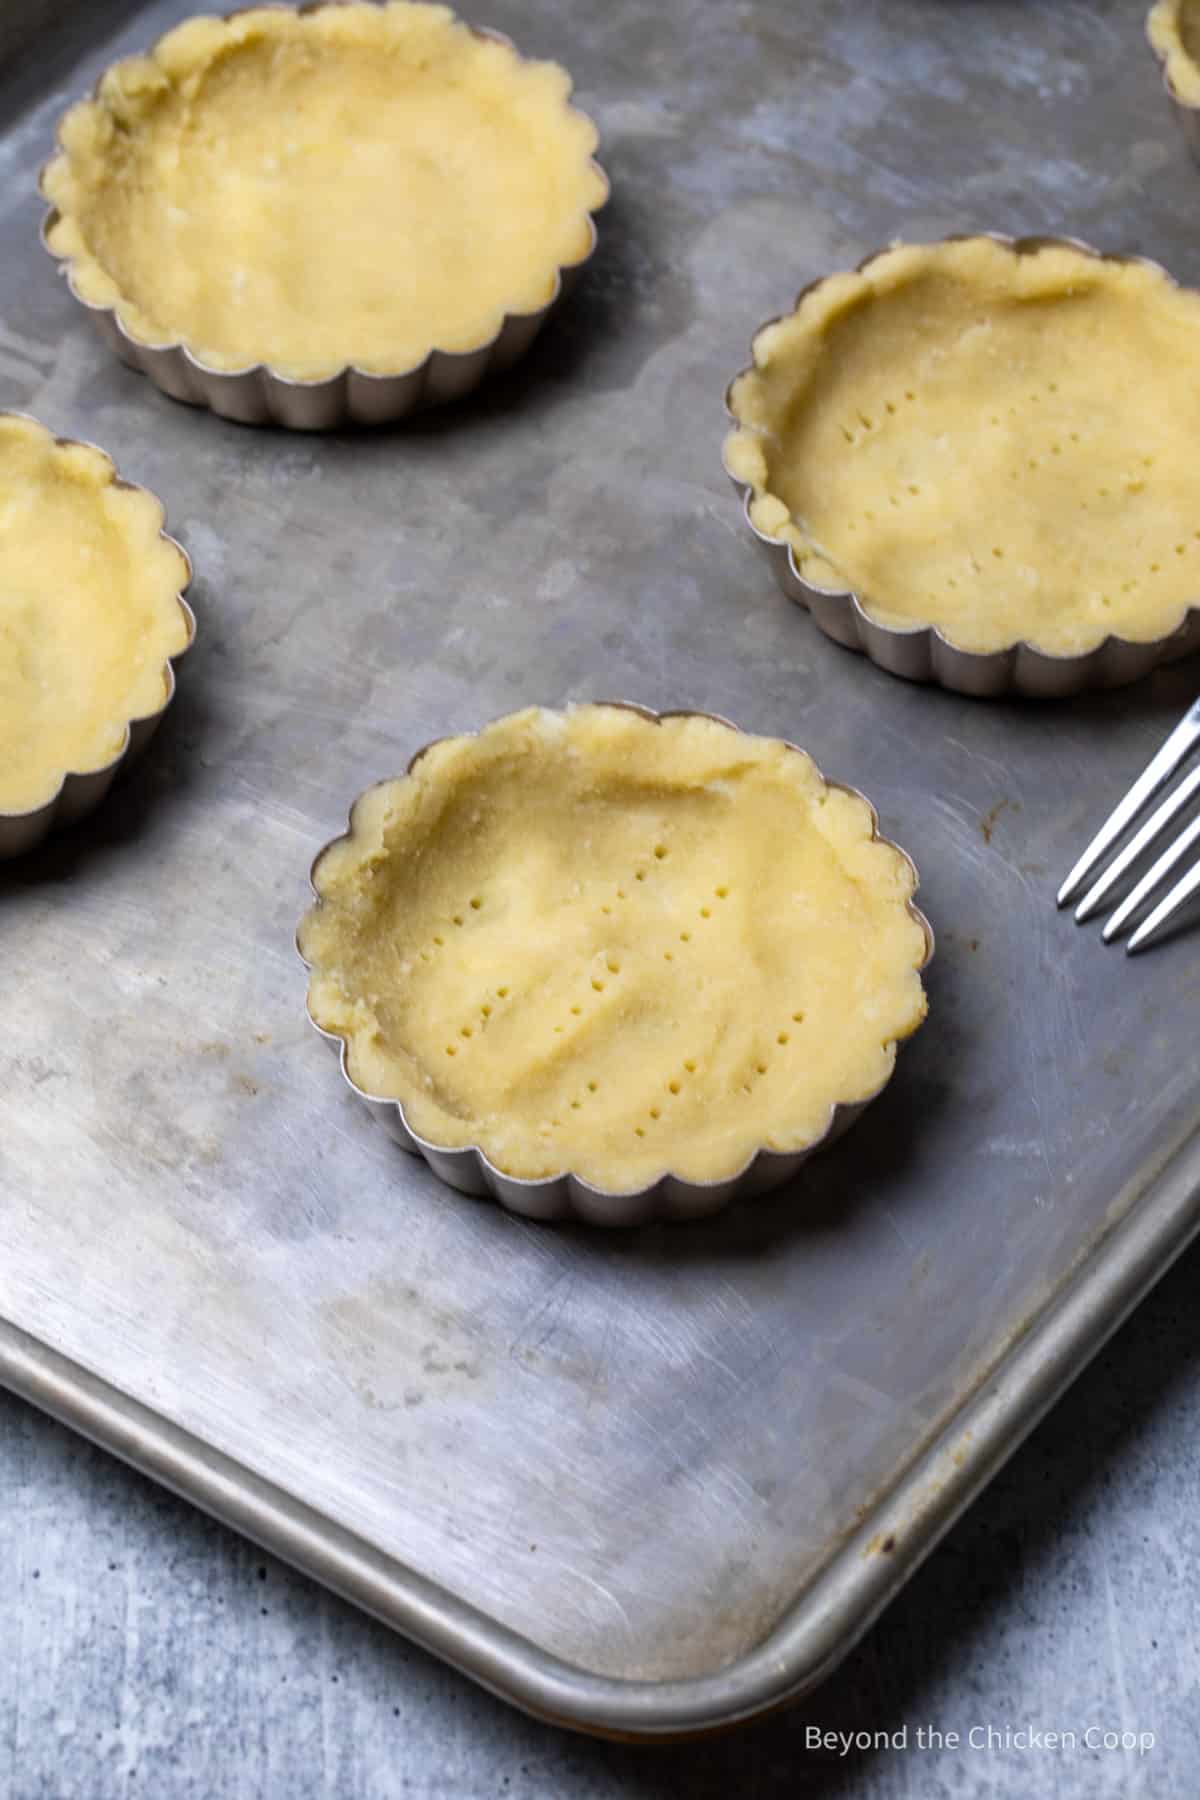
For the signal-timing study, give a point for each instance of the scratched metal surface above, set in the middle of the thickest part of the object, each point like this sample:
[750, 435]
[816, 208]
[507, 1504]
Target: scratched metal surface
[634, 1449]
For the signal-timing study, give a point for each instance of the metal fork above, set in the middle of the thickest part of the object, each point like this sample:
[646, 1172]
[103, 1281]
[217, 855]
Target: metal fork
[1154, 778]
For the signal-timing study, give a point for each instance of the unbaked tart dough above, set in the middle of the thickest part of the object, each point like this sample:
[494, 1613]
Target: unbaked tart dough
[997, 442]
[595, 942]
[1173, 28]
[89, 611]
[354, 185]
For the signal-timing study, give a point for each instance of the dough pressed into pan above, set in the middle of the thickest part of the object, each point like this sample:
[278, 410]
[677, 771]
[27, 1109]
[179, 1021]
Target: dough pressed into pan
[995, 440]
[351, 186]
[599, 942]
[89, 611]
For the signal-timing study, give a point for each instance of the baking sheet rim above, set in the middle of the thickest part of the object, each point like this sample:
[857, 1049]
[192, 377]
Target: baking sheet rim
[1148, 1225]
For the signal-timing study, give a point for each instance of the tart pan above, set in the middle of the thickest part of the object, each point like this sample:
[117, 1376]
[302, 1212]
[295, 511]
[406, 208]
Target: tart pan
[261, 395]
[80, 792]
[565, 1196]
[922, 652]
[1162, 29]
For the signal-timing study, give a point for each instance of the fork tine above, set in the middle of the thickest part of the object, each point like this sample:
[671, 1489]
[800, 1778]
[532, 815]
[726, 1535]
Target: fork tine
[1157, 823]
[1178, 897]
[1159, 770]
[1150, 881]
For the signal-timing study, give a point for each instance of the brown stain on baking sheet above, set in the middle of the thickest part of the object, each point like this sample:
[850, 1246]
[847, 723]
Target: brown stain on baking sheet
[988, 822]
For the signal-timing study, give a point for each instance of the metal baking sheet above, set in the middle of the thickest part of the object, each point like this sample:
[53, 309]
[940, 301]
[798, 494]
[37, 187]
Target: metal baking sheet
[639, 1483]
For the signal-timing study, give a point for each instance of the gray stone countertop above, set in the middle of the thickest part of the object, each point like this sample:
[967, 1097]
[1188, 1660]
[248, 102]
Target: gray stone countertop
[146, 1650]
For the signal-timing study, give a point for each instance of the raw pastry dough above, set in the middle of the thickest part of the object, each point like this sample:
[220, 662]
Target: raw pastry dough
[596, 942]
[354, 185]
[994, 442]
[1173, 28]
[89, 611]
